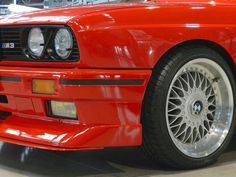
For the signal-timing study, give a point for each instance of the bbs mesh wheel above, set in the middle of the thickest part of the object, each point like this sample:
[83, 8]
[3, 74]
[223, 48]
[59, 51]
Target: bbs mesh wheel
[188, 111]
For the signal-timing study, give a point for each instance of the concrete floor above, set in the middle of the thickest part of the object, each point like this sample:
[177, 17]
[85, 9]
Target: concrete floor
[18, 161]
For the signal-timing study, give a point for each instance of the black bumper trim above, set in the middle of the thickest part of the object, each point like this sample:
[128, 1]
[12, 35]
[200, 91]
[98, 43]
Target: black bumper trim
[101, 82]
[10, 79]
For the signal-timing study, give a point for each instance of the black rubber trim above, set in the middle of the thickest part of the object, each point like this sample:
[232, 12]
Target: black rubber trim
[101, 82]
[4, 115]
[10, 79]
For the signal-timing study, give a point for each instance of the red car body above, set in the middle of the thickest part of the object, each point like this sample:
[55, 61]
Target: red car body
[120, 44]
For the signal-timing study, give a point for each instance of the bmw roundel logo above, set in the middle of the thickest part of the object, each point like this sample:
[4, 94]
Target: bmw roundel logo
[197, 107]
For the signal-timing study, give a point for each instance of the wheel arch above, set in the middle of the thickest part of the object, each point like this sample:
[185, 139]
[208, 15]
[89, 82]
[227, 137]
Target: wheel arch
[213, 45]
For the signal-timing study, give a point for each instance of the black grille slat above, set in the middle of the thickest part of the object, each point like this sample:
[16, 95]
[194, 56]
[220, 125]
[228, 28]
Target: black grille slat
[10, 35]
[11, 52]
[11, 41]
[17, 35]
[15, 49]
[10, 38]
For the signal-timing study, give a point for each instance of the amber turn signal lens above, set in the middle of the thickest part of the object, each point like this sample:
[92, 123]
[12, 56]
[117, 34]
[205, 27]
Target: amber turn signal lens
[43, 86]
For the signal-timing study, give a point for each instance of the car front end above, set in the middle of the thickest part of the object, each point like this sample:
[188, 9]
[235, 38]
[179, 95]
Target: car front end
[51, 98]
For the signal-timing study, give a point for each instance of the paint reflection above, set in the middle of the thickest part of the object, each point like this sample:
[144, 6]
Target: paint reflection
[14, 19]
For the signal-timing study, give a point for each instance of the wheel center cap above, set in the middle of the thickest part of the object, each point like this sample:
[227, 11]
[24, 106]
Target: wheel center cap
[197, 107]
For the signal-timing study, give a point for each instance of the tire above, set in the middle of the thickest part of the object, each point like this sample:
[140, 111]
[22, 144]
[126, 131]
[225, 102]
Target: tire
[178, 125]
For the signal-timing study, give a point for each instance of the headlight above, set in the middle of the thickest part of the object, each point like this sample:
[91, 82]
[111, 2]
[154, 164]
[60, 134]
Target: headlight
[63, 43]
[36, 42]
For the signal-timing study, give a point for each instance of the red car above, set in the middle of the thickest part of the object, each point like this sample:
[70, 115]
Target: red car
[156, 74]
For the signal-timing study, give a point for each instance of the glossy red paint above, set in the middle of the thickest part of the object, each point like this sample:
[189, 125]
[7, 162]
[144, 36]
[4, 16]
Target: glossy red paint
[57, 135]
[149, 32]
[117, 41]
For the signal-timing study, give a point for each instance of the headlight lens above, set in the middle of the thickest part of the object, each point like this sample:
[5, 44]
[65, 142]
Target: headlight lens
[63, 43]
[36, 42]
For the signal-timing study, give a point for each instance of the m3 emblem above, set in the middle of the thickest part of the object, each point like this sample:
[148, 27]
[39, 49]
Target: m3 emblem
[7, 45]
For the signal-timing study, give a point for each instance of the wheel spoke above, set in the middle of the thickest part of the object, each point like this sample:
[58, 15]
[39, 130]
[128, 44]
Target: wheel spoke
[183, 88]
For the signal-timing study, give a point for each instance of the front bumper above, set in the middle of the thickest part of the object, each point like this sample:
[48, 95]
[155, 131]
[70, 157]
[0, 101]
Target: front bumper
[108, 104]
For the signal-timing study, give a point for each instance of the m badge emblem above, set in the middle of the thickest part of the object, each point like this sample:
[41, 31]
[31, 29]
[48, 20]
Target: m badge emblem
[8, 45]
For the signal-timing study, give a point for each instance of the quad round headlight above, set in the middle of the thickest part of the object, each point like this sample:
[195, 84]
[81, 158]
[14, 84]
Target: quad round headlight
[63, 43]
[36, 42]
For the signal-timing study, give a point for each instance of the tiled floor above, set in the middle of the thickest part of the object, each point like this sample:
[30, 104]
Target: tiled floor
[18, 161]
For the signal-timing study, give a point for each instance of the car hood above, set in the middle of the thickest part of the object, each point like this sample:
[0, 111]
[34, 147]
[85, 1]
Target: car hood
[60, 15]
